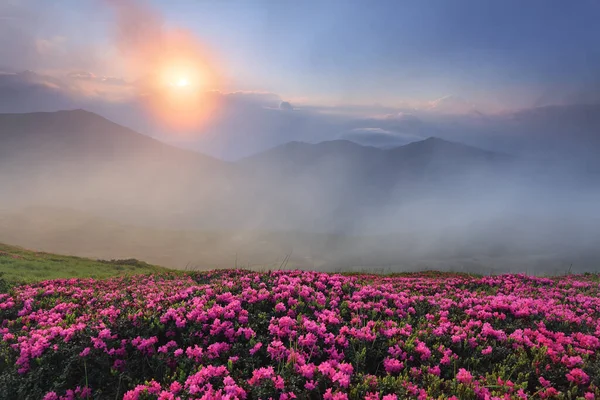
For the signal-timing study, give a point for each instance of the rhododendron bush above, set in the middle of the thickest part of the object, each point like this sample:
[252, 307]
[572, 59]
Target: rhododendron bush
[302, 335]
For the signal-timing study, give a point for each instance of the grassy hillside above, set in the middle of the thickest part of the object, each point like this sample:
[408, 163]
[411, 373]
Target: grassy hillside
[21, 265]
[67, 231]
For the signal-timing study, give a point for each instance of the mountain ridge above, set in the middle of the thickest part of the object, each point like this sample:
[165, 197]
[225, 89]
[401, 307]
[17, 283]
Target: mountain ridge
[80, 122]
[345, 144]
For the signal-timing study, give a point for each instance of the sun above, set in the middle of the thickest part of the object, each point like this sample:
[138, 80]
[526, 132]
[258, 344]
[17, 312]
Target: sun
[182, 82]
[181, 87]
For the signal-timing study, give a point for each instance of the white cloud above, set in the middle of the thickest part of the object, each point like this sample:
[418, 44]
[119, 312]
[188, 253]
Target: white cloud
[286, 105]
[379, 137]
[451, 105]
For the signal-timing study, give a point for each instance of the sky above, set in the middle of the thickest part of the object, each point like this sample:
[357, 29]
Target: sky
[231, 78]
[497, 54]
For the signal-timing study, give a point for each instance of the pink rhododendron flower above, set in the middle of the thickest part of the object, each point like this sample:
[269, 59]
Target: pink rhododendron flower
[464, 376]
[392, 365]
[256, 347]
[578, 376]
[85, 352]
[201, 335]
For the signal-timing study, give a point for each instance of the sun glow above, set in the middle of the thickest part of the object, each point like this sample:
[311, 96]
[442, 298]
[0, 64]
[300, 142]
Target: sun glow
[182, 82]
[176, 75]
[180, 87]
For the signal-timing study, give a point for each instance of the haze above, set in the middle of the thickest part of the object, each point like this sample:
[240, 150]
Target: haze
[386, 136]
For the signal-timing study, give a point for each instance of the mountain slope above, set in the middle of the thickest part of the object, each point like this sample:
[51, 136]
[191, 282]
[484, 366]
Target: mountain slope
[82, 160]
[440, 159]
[21, 265]
[78, 132]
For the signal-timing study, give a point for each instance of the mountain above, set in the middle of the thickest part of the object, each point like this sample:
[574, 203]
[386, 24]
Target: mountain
[429, 158]
[293, 157]
[80, 159]
[82, 134]
[337, 184]
[439, 156]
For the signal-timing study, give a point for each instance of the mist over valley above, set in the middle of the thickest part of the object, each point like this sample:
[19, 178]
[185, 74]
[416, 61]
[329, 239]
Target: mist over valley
[77, 183]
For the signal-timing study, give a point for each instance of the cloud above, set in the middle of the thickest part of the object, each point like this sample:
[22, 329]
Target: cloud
[156, 53]
[33, 37]
[286, 105]
[27, 92]
[253, 98]
[451, 105]
[138, 29]
[84, 75]
[102, 80]
[402, 116]
[378, 137]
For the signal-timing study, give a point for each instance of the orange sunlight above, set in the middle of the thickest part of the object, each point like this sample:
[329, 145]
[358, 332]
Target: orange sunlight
[179, 75]
[181, 78]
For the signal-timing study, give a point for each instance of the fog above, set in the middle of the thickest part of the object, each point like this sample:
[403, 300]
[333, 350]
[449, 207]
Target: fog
[74, 182]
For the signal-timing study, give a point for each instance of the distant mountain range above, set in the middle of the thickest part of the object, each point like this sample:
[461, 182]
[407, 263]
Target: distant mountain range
[373, 173]
[429, 198]
[429, 156]
[249, 122]
[82, 159]
[43, 140]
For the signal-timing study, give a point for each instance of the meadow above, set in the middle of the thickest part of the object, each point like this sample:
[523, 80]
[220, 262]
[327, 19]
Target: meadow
[237, 334]
[19, 265]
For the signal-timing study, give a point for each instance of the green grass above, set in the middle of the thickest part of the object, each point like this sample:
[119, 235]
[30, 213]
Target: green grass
[18, 265]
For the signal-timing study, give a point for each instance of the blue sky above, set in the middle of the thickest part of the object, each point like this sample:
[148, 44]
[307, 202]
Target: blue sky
[506, 52]
[383, 50]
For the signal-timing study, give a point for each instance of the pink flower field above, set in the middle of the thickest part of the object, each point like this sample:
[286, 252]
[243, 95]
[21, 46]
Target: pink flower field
[302, 335]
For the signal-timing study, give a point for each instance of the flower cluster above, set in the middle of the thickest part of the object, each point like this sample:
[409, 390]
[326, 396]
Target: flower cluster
[235, 334]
